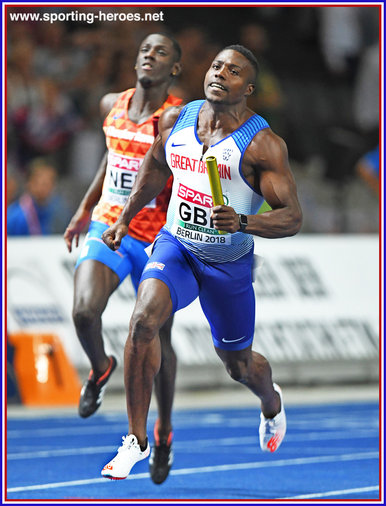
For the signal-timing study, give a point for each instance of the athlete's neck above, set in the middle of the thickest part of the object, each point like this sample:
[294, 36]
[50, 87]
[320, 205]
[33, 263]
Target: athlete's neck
[214, 116]
[146, 101]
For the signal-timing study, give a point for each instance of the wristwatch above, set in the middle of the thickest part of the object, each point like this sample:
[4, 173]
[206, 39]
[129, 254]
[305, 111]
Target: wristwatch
[243, 221]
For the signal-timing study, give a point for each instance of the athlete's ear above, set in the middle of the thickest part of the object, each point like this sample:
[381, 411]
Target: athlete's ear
[250, 89]
[176, 70]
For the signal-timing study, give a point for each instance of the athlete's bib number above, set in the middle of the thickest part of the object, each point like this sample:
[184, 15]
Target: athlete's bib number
[195, 224]
[120, 183]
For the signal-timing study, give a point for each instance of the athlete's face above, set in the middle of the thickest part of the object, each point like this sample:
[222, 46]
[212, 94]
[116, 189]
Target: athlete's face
[156, 60]
[229, 78]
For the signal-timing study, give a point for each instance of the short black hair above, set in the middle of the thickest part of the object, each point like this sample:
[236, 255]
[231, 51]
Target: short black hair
[248, 55]
[176, 46]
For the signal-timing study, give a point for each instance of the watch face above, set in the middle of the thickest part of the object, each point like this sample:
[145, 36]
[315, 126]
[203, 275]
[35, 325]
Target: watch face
[243, 220]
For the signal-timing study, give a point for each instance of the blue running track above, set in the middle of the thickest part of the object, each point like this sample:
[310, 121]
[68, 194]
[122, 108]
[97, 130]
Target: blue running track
[330, 452]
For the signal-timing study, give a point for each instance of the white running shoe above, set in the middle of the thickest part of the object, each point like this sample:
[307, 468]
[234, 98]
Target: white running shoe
[272, 430]
[128, 454]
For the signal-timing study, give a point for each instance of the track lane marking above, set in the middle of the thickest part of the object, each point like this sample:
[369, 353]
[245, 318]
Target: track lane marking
[345, 491]
[181, 445]
[211, 469]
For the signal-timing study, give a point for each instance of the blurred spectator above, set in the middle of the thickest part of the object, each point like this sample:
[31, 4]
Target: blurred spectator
[268, 99]
[39, 211]
[46, 124]
[341, 39]
[56, 55]
[367, 168]
[197, 55]
[354, 87]
[366, 93]
[21, 92]
[92, 83]
[12, 187]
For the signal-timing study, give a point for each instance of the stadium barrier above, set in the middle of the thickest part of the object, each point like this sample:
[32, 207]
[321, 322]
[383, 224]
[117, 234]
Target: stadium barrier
[317, 309]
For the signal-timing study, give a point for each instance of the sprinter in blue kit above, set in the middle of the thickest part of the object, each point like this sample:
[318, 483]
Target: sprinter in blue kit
[191, 258]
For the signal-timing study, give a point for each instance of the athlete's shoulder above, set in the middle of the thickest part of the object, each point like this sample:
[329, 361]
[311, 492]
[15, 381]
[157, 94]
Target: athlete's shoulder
[266, 147]
[258, 128]
[268, 138]
[169, 117]
[110, 99]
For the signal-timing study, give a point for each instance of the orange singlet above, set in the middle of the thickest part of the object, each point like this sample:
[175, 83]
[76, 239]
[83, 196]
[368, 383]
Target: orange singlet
[127, 145]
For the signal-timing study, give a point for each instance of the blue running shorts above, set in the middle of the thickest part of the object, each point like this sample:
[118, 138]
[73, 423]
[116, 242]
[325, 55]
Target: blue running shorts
[225, 289]
[130, 258]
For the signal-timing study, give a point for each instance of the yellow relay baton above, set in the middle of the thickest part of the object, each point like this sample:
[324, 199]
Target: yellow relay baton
[215, 183]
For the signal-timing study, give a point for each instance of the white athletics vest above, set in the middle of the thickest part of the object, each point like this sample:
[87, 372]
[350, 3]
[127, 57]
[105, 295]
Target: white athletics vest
[188, 217]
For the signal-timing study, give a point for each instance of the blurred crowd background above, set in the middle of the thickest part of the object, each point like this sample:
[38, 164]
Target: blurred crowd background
[318, 88]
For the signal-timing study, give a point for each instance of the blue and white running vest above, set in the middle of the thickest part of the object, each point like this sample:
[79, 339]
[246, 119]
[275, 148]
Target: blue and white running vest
[188, 217]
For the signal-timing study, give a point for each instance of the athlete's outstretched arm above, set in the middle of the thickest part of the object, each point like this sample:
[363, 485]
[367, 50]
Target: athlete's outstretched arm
[94, 191]
[83, 213]
[150, 181]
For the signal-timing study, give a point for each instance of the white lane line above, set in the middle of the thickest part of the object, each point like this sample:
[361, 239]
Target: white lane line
[212, 469]
[63, 431]
[212, 420]
[345, 491]
[97, 429]
[63, 452]
[195, 444]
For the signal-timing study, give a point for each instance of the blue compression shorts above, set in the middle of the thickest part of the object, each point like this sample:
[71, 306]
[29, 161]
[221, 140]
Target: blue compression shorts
[130, 258]
[225, 289]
